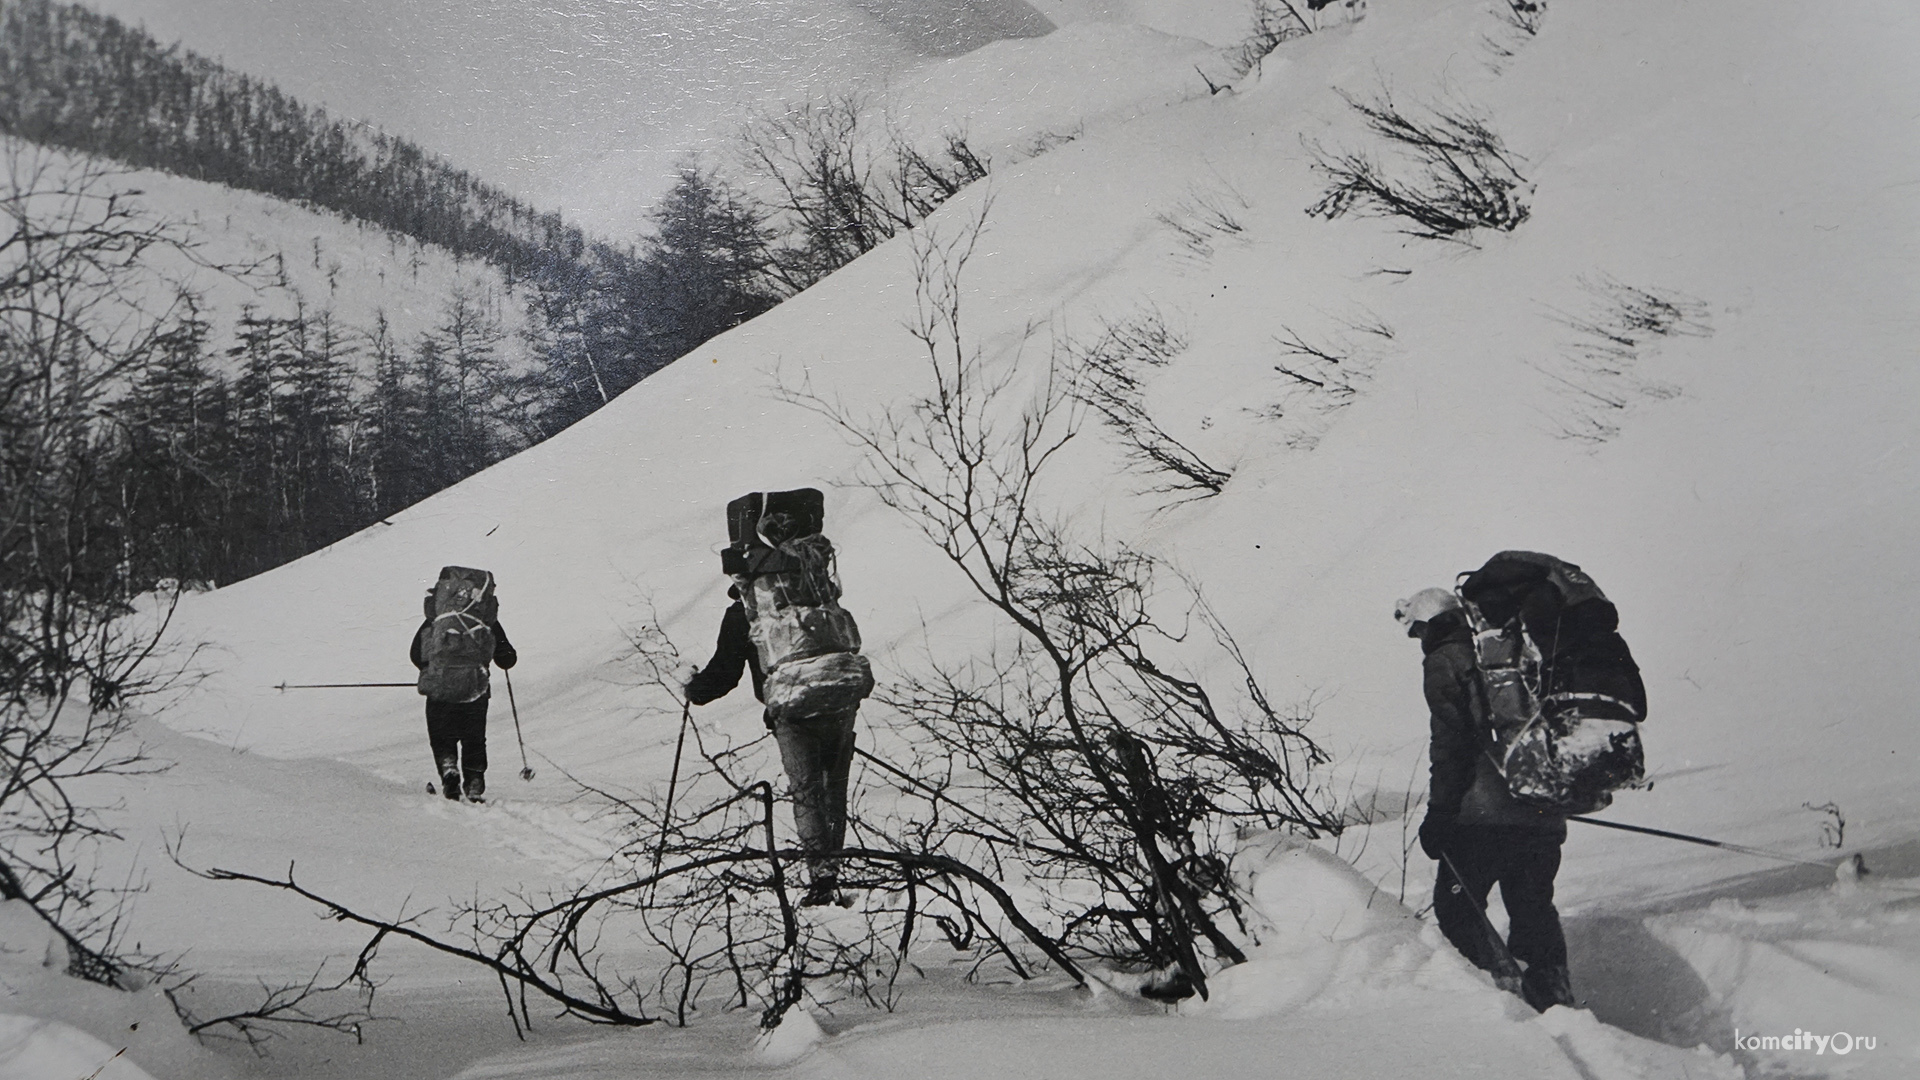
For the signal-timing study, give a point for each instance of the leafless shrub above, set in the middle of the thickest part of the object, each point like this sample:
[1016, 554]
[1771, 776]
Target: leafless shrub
[715, 925]
[1599, 373]
[1048, 140]
[694, 910]
[843, 182]
[343, 1005]
[1522, 15]
[1275, 22]
[1519, 22]
[1074, 757]
[1465, 177]
[1833, 828]
[1206, 216]
[1109, 375]
[1320, 378]
[86, 299]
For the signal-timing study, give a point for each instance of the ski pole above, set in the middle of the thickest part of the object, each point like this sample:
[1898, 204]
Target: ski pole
[1703, 841]
[526, 770]
[1508, 966]
[673, 781]
[284, 687]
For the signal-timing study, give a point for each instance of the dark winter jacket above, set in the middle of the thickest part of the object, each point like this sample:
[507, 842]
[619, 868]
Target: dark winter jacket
[504, 654]
[731, 652]
[1466, 787]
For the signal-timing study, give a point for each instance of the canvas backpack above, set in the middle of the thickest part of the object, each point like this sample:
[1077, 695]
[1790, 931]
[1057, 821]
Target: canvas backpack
[459, 639]
[1563, 693]
[808, 645]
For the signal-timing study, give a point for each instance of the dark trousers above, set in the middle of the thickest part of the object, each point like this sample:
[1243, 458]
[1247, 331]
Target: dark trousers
[457, 732]
[1523, 861]
[818, 754]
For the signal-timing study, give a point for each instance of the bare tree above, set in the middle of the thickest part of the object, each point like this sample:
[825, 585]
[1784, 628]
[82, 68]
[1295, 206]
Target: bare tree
[843, 182]
[85, 302]
[1091, 765]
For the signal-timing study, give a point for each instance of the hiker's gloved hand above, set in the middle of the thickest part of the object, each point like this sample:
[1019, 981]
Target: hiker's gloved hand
[681, 677]
[1434, 834]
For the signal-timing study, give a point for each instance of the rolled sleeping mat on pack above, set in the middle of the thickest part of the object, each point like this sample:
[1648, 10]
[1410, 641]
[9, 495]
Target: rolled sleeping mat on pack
[746, 548]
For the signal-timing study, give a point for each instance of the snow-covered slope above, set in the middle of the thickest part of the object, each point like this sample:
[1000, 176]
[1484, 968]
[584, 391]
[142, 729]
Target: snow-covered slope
[1745, 492]
[1749, 524]
[277, 257]
[584, 108]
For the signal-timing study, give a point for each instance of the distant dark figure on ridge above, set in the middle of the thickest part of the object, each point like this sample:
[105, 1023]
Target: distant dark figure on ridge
[459, 638]
[787, 628]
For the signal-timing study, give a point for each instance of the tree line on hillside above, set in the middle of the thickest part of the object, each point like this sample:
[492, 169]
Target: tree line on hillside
[601, 316]
[84, 81]
[221, 476]
[80, 81]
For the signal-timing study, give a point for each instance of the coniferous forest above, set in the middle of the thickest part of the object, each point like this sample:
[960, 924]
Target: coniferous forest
[147, 438]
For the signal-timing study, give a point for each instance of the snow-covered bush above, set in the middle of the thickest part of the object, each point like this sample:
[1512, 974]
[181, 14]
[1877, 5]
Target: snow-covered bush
[1599, 374]
[1109, 376]
[1465, 178]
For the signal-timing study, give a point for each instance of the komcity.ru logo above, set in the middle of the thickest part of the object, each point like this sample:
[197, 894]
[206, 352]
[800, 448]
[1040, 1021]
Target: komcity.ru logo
[1839, 1042]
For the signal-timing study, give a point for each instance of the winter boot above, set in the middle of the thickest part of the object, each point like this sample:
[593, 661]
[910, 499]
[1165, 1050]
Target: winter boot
[1545, 986]
[476, 784]
[450, 778]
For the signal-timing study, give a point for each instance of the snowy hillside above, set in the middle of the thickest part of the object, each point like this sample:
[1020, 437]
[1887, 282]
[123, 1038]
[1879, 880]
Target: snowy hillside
[279, 257]
[1741, 481]
[587, 109]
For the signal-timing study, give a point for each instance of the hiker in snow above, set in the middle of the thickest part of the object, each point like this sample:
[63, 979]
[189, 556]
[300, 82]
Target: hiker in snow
[787, 629]
[459, 638]
[1474, 827]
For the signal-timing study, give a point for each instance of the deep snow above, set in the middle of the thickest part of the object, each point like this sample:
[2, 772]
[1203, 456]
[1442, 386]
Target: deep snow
[1753, 518]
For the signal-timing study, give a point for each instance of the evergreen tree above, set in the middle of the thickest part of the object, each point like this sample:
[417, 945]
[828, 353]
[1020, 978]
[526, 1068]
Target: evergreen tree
[704, 266]
[178, 464]
[468, 343]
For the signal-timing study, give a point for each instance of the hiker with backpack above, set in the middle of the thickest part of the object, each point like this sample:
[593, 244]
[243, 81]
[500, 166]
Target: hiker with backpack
[459, 638]
[786, 628]
[1535, 703]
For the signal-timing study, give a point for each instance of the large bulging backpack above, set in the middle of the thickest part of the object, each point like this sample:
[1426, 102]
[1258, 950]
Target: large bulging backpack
[459, 638]
[808, 645]
[1565, 696]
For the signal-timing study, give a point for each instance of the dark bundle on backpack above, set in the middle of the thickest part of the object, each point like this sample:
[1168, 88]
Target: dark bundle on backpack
[747, 552]
[1564, 692]
[459, 640]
